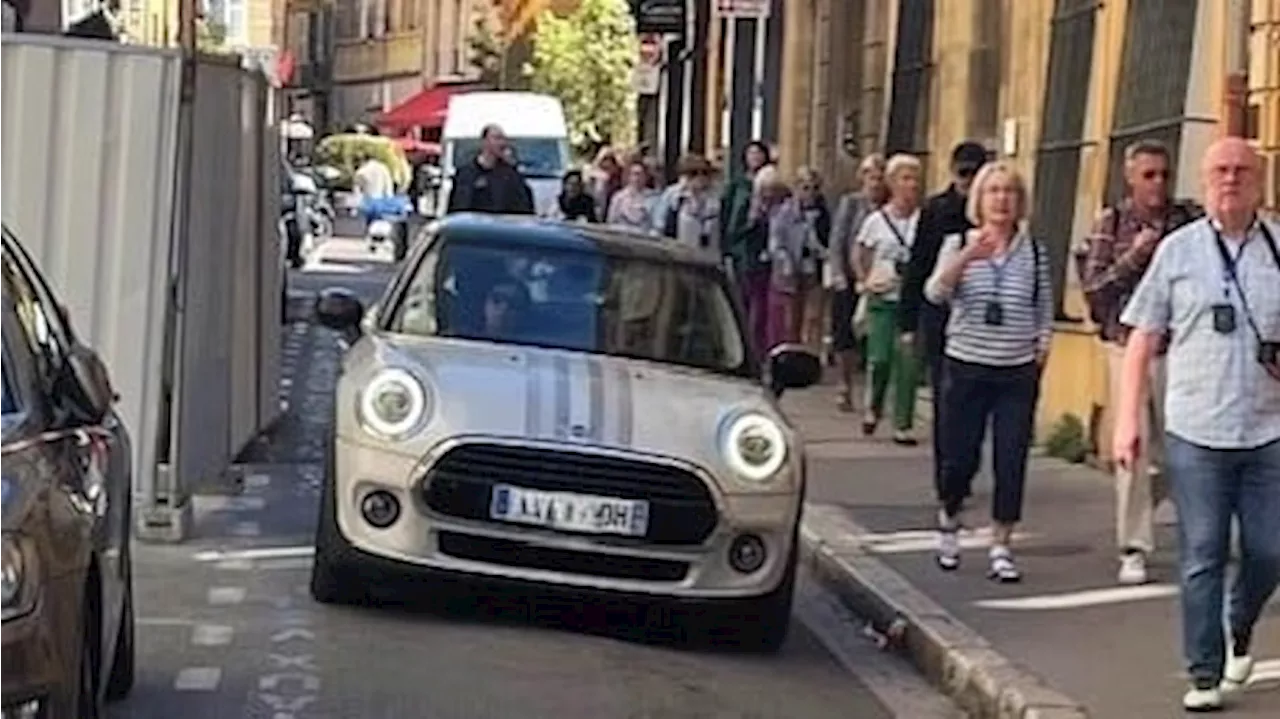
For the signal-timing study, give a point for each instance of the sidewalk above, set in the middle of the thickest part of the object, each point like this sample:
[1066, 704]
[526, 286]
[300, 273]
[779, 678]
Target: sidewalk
[1067, 627]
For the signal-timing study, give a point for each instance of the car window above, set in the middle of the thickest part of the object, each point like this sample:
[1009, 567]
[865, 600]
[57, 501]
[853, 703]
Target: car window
[576, 300]
[36, 320]
[535, 156]
[10, 396]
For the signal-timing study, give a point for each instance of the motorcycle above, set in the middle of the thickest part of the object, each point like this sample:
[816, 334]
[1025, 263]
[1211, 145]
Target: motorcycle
[295, 226]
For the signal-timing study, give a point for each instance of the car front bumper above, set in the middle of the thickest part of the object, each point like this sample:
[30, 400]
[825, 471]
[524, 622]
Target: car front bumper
[423, 541]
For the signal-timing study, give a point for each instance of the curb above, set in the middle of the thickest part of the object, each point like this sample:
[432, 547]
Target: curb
[956, 659]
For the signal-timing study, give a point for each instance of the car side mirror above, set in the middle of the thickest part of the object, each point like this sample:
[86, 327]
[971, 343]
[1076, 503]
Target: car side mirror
[792, 366]
[340, 310]
[92, 382]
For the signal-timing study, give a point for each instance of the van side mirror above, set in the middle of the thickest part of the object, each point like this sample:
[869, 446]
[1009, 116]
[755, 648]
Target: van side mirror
[792, 366]
[340, 310]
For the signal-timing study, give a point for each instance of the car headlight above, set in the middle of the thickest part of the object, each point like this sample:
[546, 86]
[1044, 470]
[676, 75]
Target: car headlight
[393, 404]
[14, 576]
[754, 446]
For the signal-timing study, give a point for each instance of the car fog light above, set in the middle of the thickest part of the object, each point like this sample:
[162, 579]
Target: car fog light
[380, 508]
[747, 553]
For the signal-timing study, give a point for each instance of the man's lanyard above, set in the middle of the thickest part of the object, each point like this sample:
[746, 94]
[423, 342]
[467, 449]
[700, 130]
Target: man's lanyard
[998, 267]
[1230, 272]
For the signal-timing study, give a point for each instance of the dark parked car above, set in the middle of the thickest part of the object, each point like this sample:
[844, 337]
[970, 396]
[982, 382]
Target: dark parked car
[68, 600]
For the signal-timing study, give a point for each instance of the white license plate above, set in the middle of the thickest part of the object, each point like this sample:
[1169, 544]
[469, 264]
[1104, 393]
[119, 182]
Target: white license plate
[570, 512]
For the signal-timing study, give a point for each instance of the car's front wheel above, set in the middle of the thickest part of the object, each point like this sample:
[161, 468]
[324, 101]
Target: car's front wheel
[332, 582]
[123, 666]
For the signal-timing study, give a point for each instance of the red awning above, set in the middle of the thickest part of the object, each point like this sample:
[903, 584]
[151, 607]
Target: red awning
[427, 108]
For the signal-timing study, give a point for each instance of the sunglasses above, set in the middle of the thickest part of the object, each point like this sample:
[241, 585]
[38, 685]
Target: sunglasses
[966, 171]
[1154, 174]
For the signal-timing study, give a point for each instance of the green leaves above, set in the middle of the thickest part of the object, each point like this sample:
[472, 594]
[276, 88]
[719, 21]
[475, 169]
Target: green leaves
[586, 60]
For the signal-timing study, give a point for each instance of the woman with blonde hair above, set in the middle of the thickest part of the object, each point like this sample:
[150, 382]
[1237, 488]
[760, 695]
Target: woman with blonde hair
[997, 282]
[840, 276]
[881, 254]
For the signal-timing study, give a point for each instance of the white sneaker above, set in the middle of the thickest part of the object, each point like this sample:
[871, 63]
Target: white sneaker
[1202, 700]
[948, 542]
[1236, 673]
[1133, 568]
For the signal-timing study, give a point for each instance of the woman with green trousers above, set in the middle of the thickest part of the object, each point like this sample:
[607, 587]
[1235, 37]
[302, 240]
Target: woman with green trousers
[881, 252]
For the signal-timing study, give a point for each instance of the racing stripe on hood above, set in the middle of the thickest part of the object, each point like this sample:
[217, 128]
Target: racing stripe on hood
[533, 401]
[623, 405]
[563, 395]
[595, 390]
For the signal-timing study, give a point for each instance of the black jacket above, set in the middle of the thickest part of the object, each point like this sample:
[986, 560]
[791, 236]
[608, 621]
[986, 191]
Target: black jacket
[943, 214]
[500, 190]
[578, 207]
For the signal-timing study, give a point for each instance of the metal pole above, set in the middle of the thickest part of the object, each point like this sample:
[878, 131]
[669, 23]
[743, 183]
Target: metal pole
[1236, 88]
[698, 86]
[674, 130]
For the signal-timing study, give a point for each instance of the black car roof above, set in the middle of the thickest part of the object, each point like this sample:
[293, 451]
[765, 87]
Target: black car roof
[609, 240]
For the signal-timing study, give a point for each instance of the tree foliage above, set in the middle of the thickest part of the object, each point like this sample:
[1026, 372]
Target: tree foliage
[586, 59]
[211, 36]
[485, 49]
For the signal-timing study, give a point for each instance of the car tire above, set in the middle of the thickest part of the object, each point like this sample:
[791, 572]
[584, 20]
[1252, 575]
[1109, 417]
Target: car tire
[88, 698]
[760, 624]
[123, 664]
[332, 582]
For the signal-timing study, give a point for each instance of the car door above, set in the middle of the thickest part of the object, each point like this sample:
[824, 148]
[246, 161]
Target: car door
[104, 453]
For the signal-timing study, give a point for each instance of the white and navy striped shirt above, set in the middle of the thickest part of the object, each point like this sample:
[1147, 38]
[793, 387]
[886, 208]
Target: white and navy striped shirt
[1009, 281]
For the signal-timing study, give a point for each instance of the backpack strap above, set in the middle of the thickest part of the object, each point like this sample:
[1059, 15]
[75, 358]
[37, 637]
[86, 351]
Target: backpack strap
[1271, 242]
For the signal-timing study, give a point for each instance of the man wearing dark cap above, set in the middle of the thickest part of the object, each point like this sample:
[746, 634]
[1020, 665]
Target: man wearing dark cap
[943, 215]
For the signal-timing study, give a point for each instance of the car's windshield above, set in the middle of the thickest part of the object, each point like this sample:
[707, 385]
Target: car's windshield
[538, 157]
[576, 300]
[10, 398]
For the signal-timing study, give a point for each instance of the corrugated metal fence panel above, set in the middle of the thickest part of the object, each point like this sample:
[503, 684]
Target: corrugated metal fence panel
[246, 293]
[89, 136]
[271, 278]
[205, 336]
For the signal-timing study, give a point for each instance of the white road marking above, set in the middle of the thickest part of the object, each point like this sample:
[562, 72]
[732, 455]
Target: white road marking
[236, 503]
[245, 529]
[226, 595]
[217, 555]
[234, 565]
[926, 540]
[211, 635]
[285, 635]
[198, 679]
[257, 481]
[1085, 598]
[162, 622]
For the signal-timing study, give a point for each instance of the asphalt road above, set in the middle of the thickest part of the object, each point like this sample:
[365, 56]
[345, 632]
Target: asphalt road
[227, 629]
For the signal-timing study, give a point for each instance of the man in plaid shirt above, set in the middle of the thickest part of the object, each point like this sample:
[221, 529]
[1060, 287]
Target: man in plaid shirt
[1111, 261]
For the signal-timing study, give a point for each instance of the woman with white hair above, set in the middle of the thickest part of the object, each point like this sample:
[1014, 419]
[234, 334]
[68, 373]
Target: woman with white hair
[997, 282]
[881, 253]
[749, 251]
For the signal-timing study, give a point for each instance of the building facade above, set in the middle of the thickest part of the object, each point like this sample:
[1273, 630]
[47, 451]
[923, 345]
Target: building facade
[1058, 87]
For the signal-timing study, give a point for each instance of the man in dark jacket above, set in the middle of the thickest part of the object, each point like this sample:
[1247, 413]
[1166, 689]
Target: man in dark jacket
[943, 215]
[489, 183]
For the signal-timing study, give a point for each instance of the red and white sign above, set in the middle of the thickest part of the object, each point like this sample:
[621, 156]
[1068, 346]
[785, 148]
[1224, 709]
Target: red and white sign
[747, 9]
[647, 77]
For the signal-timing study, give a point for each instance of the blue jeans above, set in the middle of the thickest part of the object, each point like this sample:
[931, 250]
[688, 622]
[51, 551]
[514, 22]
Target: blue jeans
[1210, 487]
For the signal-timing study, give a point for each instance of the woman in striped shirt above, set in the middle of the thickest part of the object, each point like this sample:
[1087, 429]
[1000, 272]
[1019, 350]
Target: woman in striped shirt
[997, 283]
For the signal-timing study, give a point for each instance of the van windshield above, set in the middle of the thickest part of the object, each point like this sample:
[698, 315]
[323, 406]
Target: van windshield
[536, 157]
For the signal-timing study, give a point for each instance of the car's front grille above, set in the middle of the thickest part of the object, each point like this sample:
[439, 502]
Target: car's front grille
[529, 556]
[681, 510]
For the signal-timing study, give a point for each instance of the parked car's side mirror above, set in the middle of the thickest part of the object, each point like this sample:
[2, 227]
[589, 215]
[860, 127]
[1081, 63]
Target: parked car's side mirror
[792, 367]
[340, 310]
[93, 382]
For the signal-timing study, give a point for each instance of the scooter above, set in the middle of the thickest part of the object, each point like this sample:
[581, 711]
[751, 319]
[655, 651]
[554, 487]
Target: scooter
[388, 220]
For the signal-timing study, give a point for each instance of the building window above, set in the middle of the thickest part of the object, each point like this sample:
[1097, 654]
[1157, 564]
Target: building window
[1151, 96]
[908, 129]
[462, 15]
[237, 33]
[985, 68]
[1061, 136]
[345, 13]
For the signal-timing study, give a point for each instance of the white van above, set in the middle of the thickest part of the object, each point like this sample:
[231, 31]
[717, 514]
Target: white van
[535, 126]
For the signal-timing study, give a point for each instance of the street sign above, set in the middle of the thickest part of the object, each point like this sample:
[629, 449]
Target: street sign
[646, 79]
[661, 16]
[746, 9]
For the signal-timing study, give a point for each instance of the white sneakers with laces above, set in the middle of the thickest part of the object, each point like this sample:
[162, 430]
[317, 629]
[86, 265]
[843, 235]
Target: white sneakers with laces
[1133, 569]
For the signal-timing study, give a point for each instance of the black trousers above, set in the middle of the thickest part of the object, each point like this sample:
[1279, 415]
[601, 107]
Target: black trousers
[973, 395]
[933, 339]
